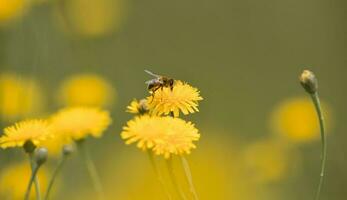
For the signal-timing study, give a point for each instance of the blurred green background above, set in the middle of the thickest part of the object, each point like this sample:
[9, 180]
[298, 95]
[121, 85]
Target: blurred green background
[245, 57]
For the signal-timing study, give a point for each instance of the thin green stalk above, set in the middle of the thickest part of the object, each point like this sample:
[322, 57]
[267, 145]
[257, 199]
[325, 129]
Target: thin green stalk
[36, 180]
[177, 188]
[158, 174]
[55, 173]
[316, 101]
[189, 177]
[91, 169]
[33, 179]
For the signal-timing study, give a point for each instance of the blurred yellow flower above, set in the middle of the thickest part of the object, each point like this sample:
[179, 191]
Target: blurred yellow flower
[79, 122]
[219, 156]
[86, 90]
[34, 130]
[20, 97]
[268, 160]
[216, 168]
[138, 106]
[12, 9]
[14, 180]
[99, 17]
[182, 97]
[166, 135]
[55, 145]
[296, 119]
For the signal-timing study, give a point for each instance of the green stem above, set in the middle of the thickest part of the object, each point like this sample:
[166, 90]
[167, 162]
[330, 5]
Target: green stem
[189, 178]
[178, 190]
[315, 99]
[158, 174]
[34, 169]
[55, 173]
[91, 169]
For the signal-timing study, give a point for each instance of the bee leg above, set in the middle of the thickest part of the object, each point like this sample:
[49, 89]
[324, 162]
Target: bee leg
[153, 93]
[152, 98]
[156, 89]
[171, 82]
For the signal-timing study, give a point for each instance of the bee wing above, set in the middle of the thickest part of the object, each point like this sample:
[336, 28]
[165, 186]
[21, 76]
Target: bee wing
[152, 74]
[148, 82]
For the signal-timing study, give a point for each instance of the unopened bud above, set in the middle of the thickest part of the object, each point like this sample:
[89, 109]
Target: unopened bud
[41, 155]
[67, 149]
[309, 81]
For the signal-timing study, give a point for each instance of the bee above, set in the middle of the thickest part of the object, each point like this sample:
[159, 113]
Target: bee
[159, 82]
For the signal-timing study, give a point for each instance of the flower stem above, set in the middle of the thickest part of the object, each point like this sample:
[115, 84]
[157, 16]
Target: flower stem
[34, 169]
[158, 174]
[316, 101]
[55, 173]
[91, 169]
[178, 190]
[189, 178]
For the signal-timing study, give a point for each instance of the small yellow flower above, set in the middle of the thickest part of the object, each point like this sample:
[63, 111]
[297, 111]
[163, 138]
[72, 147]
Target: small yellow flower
[99, 17]
[182, 97]
[166, 135]
[79, 122]
[296, 119]
[86, 90]
[20, 97]
[14, 181]
[13, 9]
[35, 131]
[138, 107]
[267, 160]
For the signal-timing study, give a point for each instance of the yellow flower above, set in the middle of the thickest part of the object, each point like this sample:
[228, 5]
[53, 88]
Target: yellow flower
[86, 90]
[99, 17]
[11, 9]
[268, 160]
[14, 180]
[79, 122]
[166, 135]
[20, 97]
[219, 158]
[182, 97]
[34, 130]
[296, 119]
[178, 138]
[138, 107]
[55, 145]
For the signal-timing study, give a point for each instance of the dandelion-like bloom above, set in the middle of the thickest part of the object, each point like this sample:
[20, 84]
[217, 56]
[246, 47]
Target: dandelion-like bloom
[79, 122]
[296, 119]
[14, 181]
[166, 135]
[182, 97]
[86, 90]
[35, 131]
[138, 106]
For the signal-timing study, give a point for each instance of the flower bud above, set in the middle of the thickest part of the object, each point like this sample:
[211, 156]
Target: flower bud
[67, 149]
[309, 81]
[41, 155]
